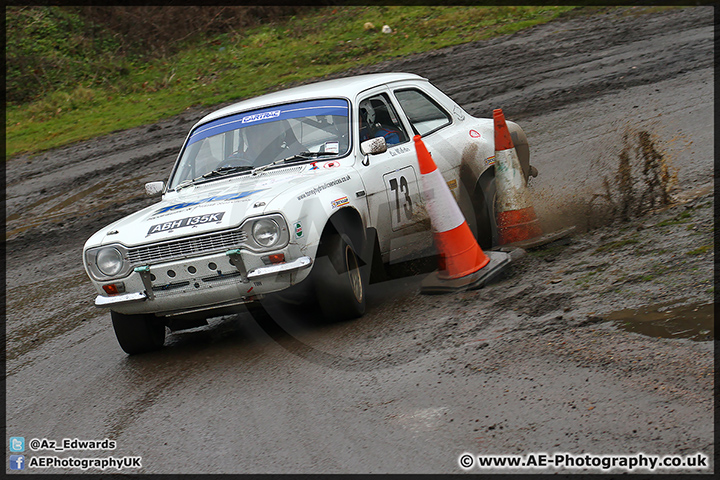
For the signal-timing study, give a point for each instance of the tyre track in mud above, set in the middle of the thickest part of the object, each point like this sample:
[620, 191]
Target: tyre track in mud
[571, 62]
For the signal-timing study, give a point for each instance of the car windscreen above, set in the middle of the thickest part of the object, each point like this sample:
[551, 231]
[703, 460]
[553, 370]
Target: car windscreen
[254, 138]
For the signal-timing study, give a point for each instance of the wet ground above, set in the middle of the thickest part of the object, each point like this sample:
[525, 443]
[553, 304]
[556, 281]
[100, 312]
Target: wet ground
[599, 345]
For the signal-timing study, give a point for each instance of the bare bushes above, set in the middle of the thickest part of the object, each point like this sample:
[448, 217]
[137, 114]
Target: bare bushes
[52, 49]
[157, 29]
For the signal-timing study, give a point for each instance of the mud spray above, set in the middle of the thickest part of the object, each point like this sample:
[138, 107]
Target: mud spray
[638, 180]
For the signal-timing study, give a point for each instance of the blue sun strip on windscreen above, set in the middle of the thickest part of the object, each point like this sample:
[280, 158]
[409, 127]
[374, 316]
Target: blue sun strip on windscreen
[334, 106]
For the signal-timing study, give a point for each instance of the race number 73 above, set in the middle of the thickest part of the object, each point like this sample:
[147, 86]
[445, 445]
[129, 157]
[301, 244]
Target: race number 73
[402, 190]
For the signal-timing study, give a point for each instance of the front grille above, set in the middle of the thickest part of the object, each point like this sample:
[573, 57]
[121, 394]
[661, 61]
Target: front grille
[186, 247]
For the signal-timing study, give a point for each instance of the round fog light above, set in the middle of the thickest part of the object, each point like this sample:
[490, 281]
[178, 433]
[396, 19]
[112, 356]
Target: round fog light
[266, 232]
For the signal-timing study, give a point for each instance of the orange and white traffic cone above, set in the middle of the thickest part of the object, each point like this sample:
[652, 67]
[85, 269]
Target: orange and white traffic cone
[462, 265]
[517, 223]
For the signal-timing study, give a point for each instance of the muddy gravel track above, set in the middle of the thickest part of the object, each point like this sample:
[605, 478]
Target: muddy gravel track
[594, 346]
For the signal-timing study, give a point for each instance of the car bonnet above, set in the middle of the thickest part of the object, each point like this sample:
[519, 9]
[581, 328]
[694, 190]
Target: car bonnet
[215, 205]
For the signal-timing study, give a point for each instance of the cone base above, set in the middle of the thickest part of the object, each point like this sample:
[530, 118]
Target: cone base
[433, 284]
[460, 254]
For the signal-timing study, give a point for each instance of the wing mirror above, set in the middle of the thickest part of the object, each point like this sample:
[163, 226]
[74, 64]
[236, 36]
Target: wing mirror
[154, 189]
[373, 146]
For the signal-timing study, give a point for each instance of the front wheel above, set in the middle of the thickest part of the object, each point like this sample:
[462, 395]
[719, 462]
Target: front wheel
[138, 333]
[340, 280]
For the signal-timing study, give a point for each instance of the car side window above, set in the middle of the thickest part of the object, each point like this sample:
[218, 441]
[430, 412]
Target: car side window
[425, 115]
[378, 118]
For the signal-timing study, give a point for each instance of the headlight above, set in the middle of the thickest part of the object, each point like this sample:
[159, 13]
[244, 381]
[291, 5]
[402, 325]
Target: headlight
[109, 261]
[266, 232]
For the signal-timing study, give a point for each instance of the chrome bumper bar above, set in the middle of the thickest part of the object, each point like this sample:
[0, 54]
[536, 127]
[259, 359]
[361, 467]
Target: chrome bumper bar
[102, 301]
[302, 262]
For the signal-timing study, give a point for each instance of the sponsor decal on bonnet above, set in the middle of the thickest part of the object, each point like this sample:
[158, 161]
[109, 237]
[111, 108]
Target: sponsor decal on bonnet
[216, 198]
[186, 222]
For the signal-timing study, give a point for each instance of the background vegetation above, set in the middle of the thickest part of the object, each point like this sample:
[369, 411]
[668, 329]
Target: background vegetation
[77, 72]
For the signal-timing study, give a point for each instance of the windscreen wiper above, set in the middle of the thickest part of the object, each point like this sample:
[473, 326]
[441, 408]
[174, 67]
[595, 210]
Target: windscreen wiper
[226, 170]
[293, 158]
[184, 183]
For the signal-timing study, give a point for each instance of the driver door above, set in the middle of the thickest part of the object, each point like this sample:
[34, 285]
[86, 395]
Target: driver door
[391, 180]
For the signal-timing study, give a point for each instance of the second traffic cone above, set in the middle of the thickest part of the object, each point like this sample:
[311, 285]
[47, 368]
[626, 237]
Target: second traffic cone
[516, 220]
[463, 264]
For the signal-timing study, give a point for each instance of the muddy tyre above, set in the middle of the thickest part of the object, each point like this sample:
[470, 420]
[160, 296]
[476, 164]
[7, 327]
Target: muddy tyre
[138, 333]
[484, 208]
[340, 279]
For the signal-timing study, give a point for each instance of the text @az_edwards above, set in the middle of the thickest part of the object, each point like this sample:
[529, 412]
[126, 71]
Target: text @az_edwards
[69, 444]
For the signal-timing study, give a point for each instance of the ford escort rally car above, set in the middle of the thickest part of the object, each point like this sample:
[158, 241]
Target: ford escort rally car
[316, 186]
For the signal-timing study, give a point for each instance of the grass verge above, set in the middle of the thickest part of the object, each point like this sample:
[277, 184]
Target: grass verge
[236, 65]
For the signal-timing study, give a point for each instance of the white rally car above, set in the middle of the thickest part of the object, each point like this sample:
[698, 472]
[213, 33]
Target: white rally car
[318, 183]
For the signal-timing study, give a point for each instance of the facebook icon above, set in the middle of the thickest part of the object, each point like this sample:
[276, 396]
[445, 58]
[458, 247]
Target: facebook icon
[17, 462]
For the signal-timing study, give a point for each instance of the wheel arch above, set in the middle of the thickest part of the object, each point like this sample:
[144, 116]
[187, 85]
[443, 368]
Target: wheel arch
[346, 222]
[336, 279]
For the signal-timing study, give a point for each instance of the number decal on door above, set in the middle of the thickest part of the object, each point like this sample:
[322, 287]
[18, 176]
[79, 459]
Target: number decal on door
[407, 206]
[402, 196]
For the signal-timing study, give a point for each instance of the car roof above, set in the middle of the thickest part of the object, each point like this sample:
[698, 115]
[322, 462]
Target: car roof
[347, 87]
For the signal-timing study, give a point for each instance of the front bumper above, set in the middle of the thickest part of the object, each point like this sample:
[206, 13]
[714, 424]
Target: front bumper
[202, 282]
[103, 301]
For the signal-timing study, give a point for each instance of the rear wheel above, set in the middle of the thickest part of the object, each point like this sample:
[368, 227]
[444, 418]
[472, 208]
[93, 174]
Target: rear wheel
[138, 333]
[484, 208]
[340, 279]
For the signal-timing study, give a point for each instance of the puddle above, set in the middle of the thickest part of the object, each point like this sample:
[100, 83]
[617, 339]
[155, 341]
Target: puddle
[694, 322]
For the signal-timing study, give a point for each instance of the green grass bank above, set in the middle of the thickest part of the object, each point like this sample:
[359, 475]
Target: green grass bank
[95, 84]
